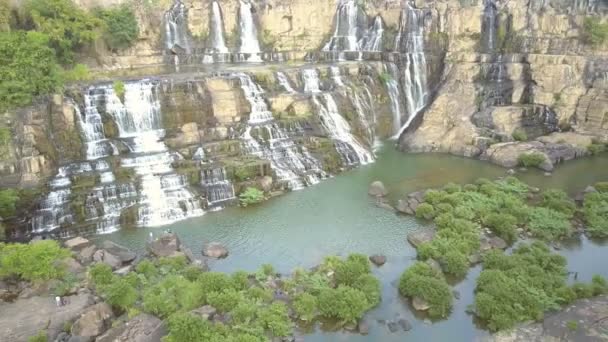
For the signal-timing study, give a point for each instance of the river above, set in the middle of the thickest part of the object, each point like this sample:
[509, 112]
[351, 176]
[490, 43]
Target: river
[337, 217]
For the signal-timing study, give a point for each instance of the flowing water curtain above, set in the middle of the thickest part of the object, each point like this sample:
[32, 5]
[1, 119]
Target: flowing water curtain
[176, 28]
[250, 44]
[351, 30]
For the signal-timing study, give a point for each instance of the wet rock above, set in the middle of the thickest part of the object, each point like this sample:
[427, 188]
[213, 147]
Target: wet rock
[123, 254]
[497, 243]
[405, 324]
[511, 172]
[94, 321]
[420, 304]
[378, 260]
[377, 189]
[590, 189]
[456, 294]
[265, 183]
[77, 243]
[363, 327]
[141, 328]
[62, 337]
[434, 264]
[350, 326]
[85, 256]
[384, 205]
[393, 327]
[205, 312]
[107, 258]
[421, 236]
[124, 270]
[215, 250]
[164, 246]
[548, 174]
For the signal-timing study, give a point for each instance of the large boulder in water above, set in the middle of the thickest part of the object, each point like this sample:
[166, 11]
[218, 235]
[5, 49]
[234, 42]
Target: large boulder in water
[421, 236]
[166, 245]
[141, 328]
[377, 189]
[215, 250]
[377, 259]
[124, 254]
[77, 243]
[94, 321]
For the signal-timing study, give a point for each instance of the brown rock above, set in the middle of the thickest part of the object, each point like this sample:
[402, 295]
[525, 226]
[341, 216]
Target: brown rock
[215, 250]
[421, 236]
[377, 189]
[420, 304]
[141, 328]
[77, 243]
[164, 246]
[94, 322]
[377, 259]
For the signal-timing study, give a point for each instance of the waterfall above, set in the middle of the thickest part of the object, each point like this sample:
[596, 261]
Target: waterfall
[249, 32]
[351, 151]
[217, 41]
[164, 195]
[218, 189]
[291, 164]
[372, 40]
[394, 93]
[92, 129]
[335, 75]
[284, 82]
[410, 40]
[346, 33]
[489, 27]
[176, 27]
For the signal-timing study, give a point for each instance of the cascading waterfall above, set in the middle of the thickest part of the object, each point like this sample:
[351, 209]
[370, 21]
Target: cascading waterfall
[394, 93]
[249, 33]
[284, 82]
[176, 27]
[335, 76]
[346, 33]
[372, 40]
[164, 195]
[410, 41]
[218, 189]
[292, 165]
[489, 27]
[218, 43]
[351, 151]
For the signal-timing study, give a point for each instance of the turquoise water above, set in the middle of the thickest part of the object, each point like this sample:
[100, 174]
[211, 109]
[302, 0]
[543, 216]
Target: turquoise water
[337, 217]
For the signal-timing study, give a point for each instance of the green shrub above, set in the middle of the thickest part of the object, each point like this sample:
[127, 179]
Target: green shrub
[424, 282]
[251, 196]
[559, 201]
[595, 211]
[41, 337]
[520, 135]
[28, 68]
[101, 274]
[455, 263]
[37, 261]
[121, 30]
[451, 188]
[260, 294]
[173, 293]
[370, 286]
[533, 159]
[275, 318]
[225, 300]
[120, 294]
[119, 88]
[305, 306]
[79, 72]
[595, 32]
[344, 303]
[548, 224]
[425, 211]
[351, 269]
[595, 149]
[601, 187]
[519, 287]
[572, 325]
[185, 327]
[8, 201]
[147, 268]
[503, 225]
[240, 280]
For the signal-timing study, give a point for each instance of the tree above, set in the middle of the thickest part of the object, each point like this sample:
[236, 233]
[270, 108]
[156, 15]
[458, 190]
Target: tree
[8, 199]
[424, 282]
[68, 27]
[28, 68]
[121, 30]
[251, 196]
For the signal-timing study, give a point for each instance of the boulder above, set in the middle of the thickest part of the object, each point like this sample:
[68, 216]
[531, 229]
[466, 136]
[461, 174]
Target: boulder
[124, 254]
[420, 304]
[206, 312]
[94, 321]
[363, 327]
[141, 328]
[497, 243]
[421, 236]
[265, 183]
[164, 246]
[434, 264]
[72, 265]
[377, 189]
[215, 250]
[107, 258]
[77, 243]
[85, 256]
[377, 259]
[405, 324]
[393, 327]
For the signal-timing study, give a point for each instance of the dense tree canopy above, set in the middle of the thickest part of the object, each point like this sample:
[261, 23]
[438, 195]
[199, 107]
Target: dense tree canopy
[120, 29]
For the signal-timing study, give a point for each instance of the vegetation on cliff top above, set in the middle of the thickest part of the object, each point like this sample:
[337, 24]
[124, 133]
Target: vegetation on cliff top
[39, 261]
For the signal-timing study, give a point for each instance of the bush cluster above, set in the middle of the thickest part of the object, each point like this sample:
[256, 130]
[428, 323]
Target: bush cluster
[533, 159]
[37, 261]
[423, 282]
[595, 211]
[251, 196]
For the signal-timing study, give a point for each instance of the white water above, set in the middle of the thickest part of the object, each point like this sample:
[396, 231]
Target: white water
[176, 27]
[311, 81]
[284, 82]
[164, 197]
[372, 40]
[489, 26]
[264, 138]
[249, 33]
[218, 189]
[394, 93]
[411, 42]
[336, 76]
[217, 29]
[346, 33]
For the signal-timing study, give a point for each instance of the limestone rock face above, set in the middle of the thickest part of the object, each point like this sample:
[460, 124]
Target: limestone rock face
[141, 328]
[94, 321]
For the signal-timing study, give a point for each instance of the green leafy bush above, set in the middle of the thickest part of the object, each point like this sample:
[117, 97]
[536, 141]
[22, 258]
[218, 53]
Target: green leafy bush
[425, 211]
[225, 300]
[595, 149]
[8, 201]
[275, 318]
[41, 337]
[251, 196]
[350, 270]
[595, 32]
[559, 201]
[172, 294]
[503, 225]
[520, 135]
[595, 210]
[101, 274]
[121, 30]
[424, 282]
[28, 68]
[79, 72]
[533, 159]
[120, 294]
[305, 306]
[601, 187]
[548, 224]
[344, 303]
[37, 261]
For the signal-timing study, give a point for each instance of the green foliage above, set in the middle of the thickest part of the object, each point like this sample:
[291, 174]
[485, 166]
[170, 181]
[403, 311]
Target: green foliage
[595, 149]
[385, 77]
[425, 211]
[41, 337]
[121, 30]
[595, 210]
[370, 286]
[349, 271]
[119, 88]
[572, 325]
[519, 135]
[344, 303]
[67, 26]
[185, 327]
[79, 72]
[595, 33]
[548, 224]
[37, 261]
[275, 318]
[8, 201]
[251, 196]
[5, 140]
[173, 293]
[559, 201]
[503, 225]
[305, 306]
[101, 274]
[533, 159]
[601, 187]
[225, 300]
[120, 293]
[28, 68]
[424, 282]
[519, 287]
